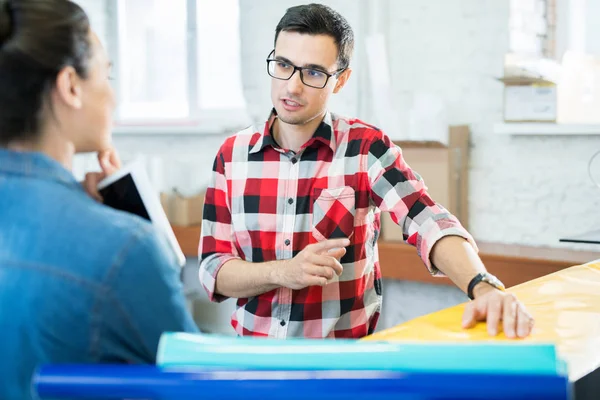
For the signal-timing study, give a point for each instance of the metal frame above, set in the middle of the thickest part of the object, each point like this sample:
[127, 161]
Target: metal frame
[301, 71]
[192, 58]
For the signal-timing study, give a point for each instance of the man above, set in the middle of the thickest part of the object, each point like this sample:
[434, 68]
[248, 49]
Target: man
[292, 215]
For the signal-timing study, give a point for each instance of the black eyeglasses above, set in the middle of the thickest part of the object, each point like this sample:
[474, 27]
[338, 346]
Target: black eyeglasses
[284, 70]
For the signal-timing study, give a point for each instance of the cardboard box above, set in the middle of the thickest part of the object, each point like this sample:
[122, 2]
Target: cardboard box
[181, 210]
[445, 170]
[530, 88]
[530, 100]
[541, 90]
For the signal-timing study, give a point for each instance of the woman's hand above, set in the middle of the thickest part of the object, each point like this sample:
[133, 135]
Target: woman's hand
[110, 163]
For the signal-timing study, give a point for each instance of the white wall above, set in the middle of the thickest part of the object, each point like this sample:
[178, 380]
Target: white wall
[593, 27]
[96, 11]
[523, 190]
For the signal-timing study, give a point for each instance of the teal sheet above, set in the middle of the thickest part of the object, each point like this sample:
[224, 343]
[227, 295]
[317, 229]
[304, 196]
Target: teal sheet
[189, 350]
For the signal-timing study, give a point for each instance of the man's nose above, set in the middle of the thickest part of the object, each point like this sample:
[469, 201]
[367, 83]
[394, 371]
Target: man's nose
[295, 84]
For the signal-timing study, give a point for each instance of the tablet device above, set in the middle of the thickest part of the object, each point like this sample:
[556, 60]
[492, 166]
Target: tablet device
[130, 190]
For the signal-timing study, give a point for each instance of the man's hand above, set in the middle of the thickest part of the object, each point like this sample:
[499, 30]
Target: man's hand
[110, 163]
[497, 307]
[314, 266]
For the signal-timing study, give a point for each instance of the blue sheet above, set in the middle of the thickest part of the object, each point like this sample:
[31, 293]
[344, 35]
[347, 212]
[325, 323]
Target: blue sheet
[148, 382]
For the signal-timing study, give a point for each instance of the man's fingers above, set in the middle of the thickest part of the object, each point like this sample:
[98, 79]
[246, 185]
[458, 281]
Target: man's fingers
[337, 253]
[525, 321]
[494, 314]
[317, 270]
[469, 316]
[509, 316]
[314, 280]
[327, 245]
[496, 309]
[475, 311]
[326, 261]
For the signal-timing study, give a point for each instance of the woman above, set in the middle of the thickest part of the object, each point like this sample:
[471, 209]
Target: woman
[79, 282]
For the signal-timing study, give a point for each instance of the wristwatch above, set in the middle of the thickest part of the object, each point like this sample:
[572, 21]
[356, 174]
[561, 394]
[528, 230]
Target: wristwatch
[484, 277]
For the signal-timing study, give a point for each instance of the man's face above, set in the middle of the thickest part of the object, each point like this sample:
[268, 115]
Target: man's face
[296, 103]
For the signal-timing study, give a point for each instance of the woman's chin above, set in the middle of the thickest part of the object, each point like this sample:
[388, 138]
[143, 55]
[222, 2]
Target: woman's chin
[93, 146]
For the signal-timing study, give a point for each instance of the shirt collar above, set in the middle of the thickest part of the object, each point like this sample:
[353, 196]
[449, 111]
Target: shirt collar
[324, 134]
[29, 164]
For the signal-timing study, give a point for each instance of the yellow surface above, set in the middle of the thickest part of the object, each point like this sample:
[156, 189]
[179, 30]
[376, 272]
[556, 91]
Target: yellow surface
[566, 308]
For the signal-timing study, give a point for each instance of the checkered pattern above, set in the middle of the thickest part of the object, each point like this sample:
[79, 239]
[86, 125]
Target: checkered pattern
[266, 203]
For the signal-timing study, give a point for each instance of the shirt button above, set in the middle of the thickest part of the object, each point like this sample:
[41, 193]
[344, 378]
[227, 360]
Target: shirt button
[287, 242]
[294, 160]
[290, 200]
[282, 323]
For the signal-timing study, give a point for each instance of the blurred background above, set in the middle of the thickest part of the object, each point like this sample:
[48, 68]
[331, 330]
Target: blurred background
[496, 101]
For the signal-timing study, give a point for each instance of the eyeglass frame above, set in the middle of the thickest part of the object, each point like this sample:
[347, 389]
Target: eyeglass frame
[301, 69]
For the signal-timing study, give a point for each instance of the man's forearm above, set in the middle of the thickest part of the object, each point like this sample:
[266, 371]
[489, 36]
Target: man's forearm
[242, 279]
[456, 258]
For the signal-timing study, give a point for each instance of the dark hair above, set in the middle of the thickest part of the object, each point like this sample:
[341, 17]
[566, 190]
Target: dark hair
[318, 19]
[37, 39]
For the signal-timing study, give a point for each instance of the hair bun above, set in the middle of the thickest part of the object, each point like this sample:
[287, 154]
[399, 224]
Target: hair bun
[5, 21]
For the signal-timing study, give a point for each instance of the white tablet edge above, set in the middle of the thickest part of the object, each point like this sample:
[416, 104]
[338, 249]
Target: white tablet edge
[151, 201]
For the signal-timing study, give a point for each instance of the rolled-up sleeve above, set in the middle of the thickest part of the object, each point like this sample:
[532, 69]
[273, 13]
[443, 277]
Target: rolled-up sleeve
[216, 240]
[397, 189]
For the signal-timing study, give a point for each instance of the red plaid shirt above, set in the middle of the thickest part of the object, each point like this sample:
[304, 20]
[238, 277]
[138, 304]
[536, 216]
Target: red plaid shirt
[265, 203]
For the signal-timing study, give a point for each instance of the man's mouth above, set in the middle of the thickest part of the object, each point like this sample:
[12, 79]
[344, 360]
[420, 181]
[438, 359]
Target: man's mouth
[291, 103]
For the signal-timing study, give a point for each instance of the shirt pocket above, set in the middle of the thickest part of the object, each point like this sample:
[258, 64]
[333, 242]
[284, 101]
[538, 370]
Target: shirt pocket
[333, 213]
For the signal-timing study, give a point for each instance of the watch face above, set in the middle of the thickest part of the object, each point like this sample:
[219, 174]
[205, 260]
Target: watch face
[492, 280]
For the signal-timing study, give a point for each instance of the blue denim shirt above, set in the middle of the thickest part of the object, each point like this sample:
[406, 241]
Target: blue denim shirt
[79, 281]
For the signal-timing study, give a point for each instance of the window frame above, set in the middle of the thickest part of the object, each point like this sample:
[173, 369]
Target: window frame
[199, 121]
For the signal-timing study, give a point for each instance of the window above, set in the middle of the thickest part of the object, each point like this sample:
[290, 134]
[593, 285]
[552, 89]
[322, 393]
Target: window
[220, 77]
[177, 62]
[532, 27]
[550, 28]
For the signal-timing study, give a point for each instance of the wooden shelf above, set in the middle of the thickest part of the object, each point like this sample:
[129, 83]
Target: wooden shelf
[513, 264]
[545, 129]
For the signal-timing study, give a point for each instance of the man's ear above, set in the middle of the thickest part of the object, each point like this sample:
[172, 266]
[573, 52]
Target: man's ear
[342, 79]
[68, 87]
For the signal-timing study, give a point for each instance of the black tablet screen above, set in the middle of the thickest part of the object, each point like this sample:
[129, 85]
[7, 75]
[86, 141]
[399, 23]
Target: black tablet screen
[123, 195]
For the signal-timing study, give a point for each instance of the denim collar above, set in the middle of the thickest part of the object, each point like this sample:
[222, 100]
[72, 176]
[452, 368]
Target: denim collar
[29, 164]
